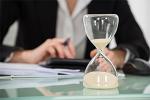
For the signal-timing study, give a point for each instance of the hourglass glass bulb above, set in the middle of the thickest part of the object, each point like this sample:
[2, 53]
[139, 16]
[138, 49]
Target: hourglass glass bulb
[100, 43]
[100, 73]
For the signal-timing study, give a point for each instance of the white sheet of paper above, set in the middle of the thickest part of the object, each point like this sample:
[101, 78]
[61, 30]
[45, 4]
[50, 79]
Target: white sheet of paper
[32, 70]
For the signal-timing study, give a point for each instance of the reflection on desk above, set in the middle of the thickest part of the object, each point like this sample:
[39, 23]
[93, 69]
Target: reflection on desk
[132, 87]
[36, 82]
[134, 84]
[94, 92]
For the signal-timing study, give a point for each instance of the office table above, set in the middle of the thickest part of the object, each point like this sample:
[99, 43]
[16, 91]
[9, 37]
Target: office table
[130, 88]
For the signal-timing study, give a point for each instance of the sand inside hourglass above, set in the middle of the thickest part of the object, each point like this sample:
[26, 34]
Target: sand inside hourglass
[100, 43]
[100, 80]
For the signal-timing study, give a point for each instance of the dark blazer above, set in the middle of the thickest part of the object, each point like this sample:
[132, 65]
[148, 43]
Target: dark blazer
[37, 22]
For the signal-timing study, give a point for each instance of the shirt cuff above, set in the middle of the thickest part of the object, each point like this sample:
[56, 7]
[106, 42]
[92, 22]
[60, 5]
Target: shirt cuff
[8, 59]
[127, 56]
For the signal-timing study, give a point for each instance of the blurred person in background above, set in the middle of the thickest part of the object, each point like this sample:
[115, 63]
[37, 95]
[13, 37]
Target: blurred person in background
[44, 25]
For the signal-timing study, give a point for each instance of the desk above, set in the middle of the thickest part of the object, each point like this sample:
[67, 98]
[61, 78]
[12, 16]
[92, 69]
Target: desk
[130, 88]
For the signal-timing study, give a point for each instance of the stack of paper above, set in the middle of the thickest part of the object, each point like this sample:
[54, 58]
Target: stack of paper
[33, 70]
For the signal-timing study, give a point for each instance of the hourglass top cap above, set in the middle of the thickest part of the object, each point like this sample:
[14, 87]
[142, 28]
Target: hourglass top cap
[94, 15]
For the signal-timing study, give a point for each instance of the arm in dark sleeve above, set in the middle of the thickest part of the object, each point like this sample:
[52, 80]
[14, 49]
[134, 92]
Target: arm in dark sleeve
[129, 34]
[8, 14]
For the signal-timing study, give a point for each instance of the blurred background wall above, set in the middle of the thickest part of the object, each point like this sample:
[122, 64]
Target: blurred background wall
[140, 9]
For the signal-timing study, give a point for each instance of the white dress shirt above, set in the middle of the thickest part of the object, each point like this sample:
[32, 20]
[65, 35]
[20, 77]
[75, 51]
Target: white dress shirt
[72, 25]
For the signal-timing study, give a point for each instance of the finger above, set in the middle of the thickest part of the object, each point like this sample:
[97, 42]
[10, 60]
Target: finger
[58, 40]
[68, 53]
[107, 68]
[102, 68]
[59, 50]
[51, 51]
[100, 60]
[104, 65]
[111, 57]
[106, 51]
[53, 42]
[93, 53]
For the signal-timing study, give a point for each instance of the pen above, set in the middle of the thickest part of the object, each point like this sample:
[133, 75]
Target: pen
[66, 42]
[17, 76]
[10, 77]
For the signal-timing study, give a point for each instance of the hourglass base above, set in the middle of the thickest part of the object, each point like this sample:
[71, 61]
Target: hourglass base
[100, 80]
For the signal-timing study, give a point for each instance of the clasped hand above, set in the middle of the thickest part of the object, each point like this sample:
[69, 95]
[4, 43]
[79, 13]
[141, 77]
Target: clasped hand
[116, 56]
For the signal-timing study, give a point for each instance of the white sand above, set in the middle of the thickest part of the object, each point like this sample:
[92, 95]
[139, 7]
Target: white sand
[100, 43]
[100, 80]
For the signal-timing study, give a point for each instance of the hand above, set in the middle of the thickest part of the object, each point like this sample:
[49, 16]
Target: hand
[116, 56]
[50, 48]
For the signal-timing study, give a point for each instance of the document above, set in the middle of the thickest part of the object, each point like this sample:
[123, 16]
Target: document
[34, 70]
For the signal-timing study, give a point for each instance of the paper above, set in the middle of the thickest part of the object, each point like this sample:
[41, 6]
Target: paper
[33, 70]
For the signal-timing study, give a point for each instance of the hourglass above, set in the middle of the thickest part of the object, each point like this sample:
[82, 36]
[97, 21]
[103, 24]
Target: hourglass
[100, 73]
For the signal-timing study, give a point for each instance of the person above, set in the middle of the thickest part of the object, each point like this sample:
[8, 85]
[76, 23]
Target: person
[45, 24]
